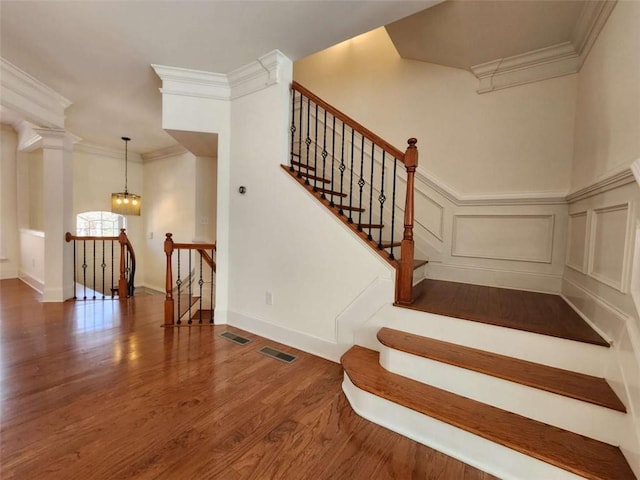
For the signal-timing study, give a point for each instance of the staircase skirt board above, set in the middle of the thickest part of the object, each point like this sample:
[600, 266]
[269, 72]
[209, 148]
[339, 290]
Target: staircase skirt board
[543, 349]
[563, 382]
[583, 418]
[371, 384]
[471, 449]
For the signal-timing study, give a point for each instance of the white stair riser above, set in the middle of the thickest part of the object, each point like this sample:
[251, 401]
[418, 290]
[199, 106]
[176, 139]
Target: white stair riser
[476, 451]
[556, 352]
[419, 274]
[567, 413]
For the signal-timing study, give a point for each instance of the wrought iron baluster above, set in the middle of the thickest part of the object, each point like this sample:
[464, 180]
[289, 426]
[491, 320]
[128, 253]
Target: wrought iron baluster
[342, 167]
[351, 180]
[361, 183]
[307, 140]
[315, 152]
[75, 272]
[381, 199]
[333, 157]
[179, 285]
[211, 293]
[200, 283]
[112, 270]
[300, 138]
[293, 125]
[103, 266]
[94, 269]
[393, 205]
[84, 268]
[370, 237]
[190, 321]
[324, 151]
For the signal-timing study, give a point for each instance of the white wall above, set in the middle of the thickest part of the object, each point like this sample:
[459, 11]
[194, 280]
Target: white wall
[206, 192]
[9, 241]
[32, 258]
[513, 140]
[601, 256]
[169, 203]
[98, 173]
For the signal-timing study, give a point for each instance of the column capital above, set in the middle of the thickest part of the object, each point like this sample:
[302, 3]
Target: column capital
[56, 138]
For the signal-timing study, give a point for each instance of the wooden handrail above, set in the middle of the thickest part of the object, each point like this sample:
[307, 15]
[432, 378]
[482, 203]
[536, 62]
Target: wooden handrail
[69, 237]
[382, 143]
[169, 247]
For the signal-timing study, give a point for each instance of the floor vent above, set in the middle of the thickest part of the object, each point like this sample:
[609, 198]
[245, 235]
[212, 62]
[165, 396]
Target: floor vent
[277, 354]
[235, 338]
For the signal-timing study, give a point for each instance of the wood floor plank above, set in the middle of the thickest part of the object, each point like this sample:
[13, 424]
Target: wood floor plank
[575, 453]
[563, 382]
[541, 313]
[99, 391]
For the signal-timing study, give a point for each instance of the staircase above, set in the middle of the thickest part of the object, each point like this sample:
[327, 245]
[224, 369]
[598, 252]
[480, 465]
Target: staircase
[509, 382]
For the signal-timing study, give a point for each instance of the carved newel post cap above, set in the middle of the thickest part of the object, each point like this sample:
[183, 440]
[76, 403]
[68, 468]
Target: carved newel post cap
[412, 142]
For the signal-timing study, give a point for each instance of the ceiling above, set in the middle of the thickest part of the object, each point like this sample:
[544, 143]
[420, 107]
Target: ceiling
[98, 54]
[464, 33]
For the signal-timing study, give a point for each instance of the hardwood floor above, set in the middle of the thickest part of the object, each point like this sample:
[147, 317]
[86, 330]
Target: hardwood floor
[97, 390]
[533, 312]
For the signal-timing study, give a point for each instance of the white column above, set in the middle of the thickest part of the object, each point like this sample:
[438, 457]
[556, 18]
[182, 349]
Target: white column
[58, 214]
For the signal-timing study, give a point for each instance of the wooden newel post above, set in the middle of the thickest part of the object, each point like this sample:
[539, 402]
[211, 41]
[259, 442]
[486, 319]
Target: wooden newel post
[168, 300]
[122, 282]
[405, 283]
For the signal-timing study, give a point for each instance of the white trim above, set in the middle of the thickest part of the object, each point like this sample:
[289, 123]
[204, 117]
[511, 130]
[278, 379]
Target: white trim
[30, 98]
[257, 75]
[277, 333]
[172, 151]
[494, 277]
[579, 268]
[36, 284]
[608, 181]
[553, 61]
[472, 449]
[106, 152]
[193, 83]
[635, 169]
[619, 284]
[546, 259]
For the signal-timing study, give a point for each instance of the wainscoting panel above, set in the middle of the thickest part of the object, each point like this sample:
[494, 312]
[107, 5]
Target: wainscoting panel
[577, 241]
[525, 238]
[609, 252]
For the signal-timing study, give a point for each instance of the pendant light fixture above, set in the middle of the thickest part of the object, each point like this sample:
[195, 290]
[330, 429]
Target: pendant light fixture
[125, 203]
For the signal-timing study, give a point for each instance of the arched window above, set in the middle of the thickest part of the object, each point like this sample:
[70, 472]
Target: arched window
[99, 224]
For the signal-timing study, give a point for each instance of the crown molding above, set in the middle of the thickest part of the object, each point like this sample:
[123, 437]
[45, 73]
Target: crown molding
[635, 169]
[172, 151]
[257, 75]
[193, 83]
[607, 182]
[108, 152]
[250, 78]
[549, 62]
[31, 98]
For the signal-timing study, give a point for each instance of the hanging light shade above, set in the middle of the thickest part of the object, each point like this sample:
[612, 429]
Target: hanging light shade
[126, 203]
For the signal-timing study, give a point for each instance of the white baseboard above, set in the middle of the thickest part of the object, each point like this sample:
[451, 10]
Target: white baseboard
[530, 281]
[36, 284]
[476, 451]
[301, 341]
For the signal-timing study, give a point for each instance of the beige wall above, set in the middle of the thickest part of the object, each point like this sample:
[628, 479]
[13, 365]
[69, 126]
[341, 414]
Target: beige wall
[169, 203]
[36, 207]
[607, 129]
[514, 140]
[9, 252]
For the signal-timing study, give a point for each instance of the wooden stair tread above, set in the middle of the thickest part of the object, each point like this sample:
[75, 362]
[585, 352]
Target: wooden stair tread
[575, 453]
[349, 209]
[388, 244]
[331, 192]
[562, 382]
[417, 263]
[370, 225]
[310, 176]
[302, 165]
